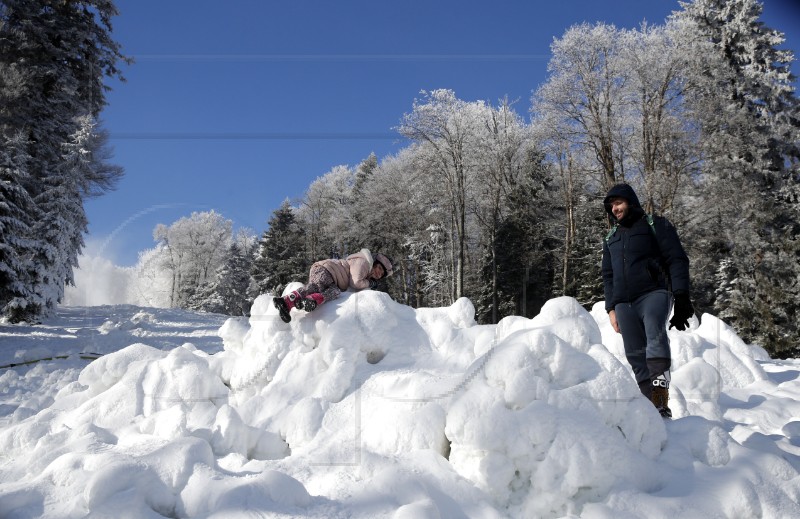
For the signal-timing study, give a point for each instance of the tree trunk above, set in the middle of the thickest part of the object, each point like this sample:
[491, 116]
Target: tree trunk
[494, 279]
[525, 291]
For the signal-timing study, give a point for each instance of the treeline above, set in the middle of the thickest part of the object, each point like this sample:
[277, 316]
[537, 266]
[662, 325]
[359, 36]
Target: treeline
[54, 56]
[698, 114]
[490, 200]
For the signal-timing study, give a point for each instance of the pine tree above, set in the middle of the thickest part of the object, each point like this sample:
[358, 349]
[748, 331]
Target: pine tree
[234, 281]
[53, 58]
[227, 292]
[364, 172]
[17, 214]
[63, 223]
[523, 268]
[281, 257]
[741, 95]
[585, 282]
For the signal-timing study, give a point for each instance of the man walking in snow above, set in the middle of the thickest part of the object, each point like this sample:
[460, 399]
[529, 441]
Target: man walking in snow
[643, 261]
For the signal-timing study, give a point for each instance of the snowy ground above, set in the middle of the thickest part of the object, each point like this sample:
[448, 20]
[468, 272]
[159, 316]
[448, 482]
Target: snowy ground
[367, 408]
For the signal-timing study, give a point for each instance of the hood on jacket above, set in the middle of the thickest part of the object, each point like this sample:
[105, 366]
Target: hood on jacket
[623, 191]
[386, 262]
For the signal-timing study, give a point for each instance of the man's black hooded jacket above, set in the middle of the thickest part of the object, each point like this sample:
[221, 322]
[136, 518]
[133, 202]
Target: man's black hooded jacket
[637, 260]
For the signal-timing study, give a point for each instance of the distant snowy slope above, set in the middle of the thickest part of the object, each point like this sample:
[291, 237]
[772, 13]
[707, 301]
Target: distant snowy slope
[368, 408]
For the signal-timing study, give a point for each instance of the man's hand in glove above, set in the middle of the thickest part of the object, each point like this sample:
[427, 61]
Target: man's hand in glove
[683, 311]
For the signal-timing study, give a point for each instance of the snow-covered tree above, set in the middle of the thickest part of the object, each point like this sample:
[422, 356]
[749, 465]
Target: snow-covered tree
[151, 283]
[509, 207]
[581, 118]
[282, 256]
[227, 291]
[355, 230]
[323, 213]
[17, 214]
[191, 249]
[59, 231]
[741, 94]
[658, 140]
[448, 127]
[397, 205]
[363, 173]
[517, 269]
[53, 58]
[584, 95]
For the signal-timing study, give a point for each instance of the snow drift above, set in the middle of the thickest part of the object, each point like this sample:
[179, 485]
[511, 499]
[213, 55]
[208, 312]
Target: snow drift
[368, 408]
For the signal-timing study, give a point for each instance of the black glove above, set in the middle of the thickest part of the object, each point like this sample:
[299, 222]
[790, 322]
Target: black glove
[683, 311]
[372, 284]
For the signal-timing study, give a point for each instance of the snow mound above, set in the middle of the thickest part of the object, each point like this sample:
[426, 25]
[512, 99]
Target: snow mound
[369, 408]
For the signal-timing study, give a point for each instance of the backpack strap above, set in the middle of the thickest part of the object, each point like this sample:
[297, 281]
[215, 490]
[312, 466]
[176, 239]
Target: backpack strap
[611, 232]
[651, 223]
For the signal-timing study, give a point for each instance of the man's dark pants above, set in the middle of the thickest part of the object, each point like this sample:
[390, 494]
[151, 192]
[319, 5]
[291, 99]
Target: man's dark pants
[643, 324]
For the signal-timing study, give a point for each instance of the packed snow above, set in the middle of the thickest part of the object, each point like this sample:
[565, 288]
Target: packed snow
[367, 408]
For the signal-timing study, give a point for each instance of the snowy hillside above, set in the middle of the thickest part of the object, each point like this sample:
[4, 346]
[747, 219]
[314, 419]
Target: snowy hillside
[368, 408]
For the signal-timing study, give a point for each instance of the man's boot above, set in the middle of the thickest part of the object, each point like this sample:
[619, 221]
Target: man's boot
[646, 387]
[660, 394]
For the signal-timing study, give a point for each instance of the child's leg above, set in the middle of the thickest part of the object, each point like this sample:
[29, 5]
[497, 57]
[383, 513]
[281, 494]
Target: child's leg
[331, 293]
[321, 287]
[318, 280]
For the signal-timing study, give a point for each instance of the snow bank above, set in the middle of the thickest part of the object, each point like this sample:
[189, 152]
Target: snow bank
[368, 408]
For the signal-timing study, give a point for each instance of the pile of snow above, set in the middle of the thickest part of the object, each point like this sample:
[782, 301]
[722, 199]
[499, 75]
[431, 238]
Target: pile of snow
[368, 408]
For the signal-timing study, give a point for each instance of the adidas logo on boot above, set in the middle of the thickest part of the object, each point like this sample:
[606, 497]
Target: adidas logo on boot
[660, 394]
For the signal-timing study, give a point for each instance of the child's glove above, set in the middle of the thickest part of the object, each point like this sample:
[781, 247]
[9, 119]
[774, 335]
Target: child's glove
[372, 284]
[683, 311]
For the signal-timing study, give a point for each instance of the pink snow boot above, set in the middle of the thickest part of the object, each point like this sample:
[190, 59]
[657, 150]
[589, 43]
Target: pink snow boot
[310, 302]
[285, 305]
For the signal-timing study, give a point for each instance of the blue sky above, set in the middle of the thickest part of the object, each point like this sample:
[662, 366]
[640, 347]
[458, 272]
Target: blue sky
[236, 106]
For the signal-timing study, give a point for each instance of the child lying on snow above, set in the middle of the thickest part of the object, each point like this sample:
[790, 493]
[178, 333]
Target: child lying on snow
[329, 277]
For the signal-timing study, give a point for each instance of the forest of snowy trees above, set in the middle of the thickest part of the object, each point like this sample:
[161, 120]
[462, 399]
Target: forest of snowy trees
[495, 201]
[698, 114]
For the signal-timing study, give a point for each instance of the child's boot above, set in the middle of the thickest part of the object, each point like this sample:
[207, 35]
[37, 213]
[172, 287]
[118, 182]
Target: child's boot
[285, 304]
[312, 301]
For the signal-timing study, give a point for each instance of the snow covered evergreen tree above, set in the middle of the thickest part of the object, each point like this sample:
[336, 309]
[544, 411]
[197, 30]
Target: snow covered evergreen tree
[364, 172]
[63, 223]
[227, 293]
[281, 256]
[517, 276]
[17, 214]
[742, 98]
[53, 58]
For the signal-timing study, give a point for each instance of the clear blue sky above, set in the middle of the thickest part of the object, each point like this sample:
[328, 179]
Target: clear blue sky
[235, 106]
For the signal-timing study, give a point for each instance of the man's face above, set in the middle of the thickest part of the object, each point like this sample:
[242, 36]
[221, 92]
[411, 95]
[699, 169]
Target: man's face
[619, 208]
